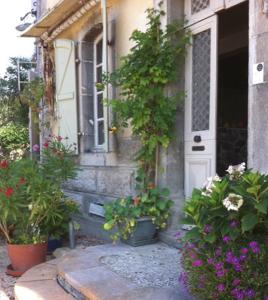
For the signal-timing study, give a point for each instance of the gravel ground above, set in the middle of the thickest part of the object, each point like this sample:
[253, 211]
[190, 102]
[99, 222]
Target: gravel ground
[7, 282]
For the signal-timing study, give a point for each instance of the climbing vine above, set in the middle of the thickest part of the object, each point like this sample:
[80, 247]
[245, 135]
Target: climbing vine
[153, 62]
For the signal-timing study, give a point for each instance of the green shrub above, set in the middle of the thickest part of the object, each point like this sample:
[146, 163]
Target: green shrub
[225, 253]
[13, 137]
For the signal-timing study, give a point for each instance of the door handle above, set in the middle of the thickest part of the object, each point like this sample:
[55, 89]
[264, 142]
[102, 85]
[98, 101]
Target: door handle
[197, 138]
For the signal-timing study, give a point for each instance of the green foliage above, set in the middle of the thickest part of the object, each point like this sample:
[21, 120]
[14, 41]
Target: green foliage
[32, 205]
[13, 138]
[124, 212]
[213, 208]
[228, 241]
[152, 64]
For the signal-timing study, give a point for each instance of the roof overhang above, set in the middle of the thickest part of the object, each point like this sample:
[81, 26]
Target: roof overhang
[55, 16]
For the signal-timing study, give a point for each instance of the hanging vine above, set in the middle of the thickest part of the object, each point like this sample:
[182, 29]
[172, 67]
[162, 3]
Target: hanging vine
[153, 62]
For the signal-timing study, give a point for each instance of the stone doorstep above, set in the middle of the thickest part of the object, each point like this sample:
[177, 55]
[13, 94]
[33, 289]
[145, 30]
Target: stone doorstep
[84, 275]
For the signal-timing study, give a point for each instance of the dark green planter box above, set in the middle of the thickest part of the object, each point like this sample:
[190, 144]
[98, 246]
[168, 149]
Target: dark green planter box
[145, 233]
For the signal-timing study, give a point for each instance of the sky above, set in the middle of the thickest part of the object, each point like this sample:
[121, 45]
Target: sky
[11, 44]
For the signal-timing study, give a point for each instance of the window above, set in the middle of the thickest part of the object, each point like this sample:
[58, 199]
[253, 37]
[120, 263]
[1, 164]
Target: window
[98, 94]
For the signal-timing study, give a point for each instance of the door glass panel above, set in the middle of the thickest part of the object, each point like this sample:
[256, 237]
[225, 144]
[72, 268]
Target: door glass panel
[100, 106]
[199, 5]
[99, 74]
[99, 52]
[201, 81]
[100, 133]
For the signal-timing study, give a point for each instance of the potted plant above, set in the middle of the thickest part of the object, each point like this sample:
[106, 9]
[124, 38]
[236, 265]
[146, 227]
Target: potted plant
[138, 218]
[30, 201]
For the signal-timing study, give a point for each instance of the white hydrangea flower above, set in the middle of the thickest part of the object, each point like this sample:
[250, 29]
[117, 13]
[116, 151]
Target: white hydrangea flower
[209, 185]
[236, 171]
[233, 202]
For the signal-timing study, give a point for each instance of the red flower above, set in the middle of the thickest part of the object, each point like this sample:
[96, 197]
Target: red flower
[22, 181]
[59, 138]
[9, 191]
[3, 164]
[46, 145]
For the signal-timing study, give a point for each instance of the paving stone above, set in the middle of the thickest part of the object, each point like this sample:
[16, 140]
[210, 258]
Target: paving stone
[40, 290]
[43, 271]
[99, 283]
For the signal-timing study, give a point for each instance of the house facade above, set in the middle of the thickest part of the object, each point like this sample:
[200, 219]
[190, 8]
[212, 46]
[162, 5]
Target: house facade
[224, 120]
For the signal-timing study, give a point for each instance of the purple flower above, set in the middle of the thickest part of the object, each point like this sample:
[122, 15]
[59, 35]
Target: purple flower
[218, 252]
[237, 294]
[250, 293]
[242, 257]
[220, 287]
[244, 250]
[253, 244]
[177, 235]
[218, 266]
[266, 298]
[226, 239]
[255, 250]
[36, 148]
[236, 282]
[197, 263]
[210, 261]
[220, 273]
[207, 228]
[233, 223]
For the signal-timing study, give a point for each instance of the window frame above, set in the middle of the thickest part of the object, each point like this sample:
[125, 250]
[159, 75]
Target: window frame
[97, 119]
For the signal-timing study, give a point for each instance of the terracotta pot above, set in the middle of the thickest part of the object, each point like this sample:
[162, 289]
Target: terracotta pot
[24, 257]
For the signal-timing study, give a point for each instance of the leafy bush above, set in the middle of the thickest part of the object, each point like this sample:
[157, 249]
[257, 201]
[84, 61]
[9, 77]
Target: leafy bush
[124, 212]
[227, 256]
[13, 137]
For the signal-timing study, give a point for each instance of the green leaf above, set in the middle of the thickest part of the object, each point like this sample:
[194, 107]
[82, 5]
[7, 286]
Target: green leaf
[262, 206]
[248, 222]
[193, 234]
[210, 238]
[109, 225]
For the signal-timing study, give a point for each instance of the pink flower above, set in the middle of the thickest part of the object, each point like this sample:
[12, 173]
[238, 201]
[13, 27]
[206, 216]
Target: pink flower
[220, 287]
[197, 263]
[36, 148]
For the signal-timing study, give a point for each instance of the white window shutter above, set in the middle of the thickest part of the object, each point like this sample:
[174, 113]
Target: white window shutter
[66, 89]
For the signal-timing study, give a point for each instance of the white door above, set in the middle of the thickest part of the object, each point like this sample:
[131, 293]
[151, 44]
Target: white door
[200, 104]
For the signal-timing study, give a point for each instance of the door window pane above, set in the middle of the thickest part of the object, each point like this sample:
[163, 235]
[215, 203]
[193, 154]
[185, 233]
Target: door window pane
[201, 81]
[99, 52]
[100, 133]
[100, 105]
[199, 5]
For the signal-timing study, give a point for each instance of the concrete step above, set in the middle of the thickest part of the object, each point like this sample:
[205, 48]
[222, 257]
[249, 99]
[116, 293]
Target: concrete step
[106, 272]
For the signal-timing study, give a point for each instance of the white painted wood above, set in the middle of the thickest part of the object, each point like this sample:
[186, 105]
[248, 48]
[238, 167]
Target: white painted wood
[230, 3]
[201, 164]
[66, 89]
[97, 93]
[192, 18]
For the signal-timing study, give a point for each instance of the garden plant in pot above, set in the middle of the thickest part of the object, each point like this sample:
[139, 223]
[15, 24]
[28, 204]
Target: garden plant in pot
[225, 254]
[30, 200]
[138, 218]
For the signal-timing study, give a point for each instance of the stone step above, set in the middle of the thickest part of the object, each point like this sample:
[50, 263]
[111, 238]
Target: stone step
[40, 283]
[106, 272]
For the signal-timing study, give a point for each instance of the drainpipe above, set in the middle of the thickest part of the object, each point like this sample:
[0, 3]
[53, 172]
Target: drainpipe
[105, 68]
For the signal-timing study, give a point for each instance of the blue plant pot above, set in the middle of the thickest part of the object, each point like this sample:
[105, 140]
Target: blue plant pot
[53, 244]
